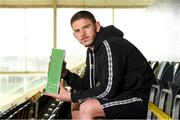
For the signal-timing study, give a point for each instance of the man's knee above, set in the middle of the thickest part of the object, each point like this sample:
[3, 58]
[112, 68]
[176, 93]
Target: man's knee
[86, 107]
[91, 107]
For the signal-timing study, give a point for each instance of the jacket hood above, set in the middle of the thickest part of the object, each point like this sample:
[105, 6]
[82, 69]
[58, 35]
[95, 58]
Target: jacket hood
[105, 33]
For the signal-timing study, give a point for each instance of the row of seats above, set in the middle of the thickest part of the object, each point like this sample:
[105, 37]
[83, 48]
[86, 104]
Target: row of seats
[52, 110]
[22, 111]
[57, 110]
[166, 93]
[44, 108]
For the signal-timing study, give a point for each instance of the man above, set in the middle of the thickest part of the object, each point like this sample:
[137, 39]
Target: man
[117, 78]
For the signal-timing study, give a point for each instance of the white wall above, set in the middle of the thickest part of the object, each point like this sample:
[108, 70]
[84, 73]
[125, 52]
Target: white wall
[154, 30]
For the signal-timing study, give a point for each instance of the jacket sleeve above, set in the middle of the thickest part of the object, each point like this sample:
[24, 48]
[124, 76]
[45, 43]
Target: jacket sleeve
[76, 82]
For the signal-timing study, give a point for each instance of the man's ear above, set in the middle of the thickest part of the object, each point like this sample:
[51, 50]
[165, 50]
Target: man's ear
[98, 26]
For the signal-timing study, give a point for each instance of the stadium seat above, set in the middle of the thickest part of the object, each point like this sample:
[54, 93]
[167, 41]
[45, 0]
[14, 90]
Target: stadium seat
[176, 108]
[176, 95]
[52, 117]
[168, 89]
[154, 64]
[155, 89]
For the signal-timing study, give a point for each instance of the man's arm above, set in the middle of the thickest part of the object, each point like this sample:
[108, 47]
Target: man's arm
[74, 80]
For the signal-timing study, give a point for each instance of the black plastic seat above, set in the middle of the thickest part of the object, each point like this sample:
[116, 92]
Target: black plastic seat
[167, 77]
[154, 64]
[160, 69]
[52, 117]
[176, 95]
[168, 89]
[55, 111]
[155, 90]
[164, 88]
[176, 108]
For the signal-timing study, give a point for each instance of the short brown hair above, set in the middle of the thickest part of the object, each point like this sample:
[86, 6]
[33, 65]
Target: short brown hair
[83, 14]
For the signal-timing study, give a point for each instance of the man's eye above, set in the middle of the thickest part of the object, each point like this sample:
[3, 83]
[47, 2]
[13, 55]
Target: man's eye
[76, 31]
[86, 26]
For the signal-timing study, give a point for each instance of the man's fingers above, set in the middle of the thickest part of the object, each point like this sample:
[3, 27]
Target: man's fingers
[51, 95]
[61, 86]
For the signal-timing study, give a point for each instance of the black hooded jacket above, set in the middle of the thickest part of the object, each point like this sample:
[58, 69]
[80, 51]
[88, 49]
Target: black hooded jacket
[114, 66]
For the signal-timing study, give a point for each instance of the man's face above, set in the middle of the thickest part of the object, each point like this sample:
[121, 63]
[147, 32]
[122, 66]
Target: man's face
[85, 31]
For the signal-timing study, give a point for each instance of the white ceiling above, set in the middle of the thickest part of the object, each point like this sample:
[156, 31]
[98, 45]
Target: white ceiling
[75, 3]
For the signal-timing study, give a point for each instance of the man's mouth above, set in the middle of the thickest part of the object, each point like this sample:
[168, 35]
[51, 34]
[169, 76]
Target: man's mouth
[84, 38]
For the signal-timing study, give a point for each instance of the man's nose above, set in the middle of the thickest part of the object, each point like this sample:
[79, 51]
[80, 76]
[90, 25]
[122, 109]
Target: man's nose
[83, 32]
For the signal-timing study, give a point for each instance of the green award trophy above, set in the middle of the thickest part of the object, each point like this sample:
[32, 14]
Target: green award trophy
[54, 71]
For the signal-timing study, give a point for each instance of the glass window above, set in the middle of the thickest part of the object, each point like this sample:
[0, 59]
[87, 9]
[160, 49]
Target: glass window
[26, 39]
[26, 43]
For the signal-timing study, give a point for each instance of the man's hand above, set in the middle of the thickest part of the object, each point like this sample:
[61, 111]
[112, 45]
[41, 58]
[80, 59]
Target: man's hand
[63, 95]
